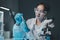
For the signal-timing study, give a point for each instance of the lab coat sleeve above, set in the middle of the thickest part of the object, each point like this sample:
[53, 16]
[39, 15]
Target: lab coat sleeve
[43, 25]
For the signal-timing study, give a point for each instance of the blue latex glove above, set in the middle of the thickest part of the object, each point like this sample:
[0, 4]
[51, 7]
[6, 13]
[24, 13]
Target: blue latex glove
[18, 18]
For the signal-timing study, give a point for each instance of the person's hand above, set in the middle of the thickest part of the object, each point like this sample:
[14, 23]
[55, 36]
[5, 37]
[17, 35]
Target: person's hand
[47, 21]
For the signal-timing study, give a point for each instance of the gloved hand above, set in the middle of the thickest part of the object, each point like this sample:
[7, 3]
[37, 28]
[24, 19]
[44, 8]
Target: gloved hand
[18, 18]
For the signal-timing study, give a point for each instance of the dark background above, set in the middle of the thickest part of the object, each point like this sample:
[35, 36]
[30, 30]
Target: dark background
[26, 7]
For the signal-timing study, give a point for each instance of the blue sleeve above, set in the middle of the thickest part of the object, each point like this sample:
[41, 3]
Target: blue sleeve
[24, 26]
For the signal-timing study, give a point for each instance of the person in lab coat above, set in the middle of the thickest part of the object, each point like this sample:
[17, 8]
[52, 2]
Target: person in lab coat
[38, 23]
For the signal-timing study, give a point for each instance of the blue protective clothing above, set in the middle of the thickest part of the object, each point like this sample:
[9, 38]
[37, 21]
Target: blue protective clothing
[20, 28]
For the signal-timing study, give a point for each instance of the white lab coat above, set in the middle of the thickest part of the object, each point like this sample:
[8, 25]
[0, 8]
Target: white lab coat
[31, 22]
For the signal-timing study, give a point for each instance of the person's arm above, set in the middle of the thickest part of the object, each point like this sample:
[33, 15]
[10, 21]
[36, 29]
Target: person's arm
[24, 26]
[43, 25]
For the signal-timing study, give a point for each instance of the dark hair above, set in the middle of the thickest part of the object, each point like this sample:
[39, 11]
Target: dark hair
[45, 6]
